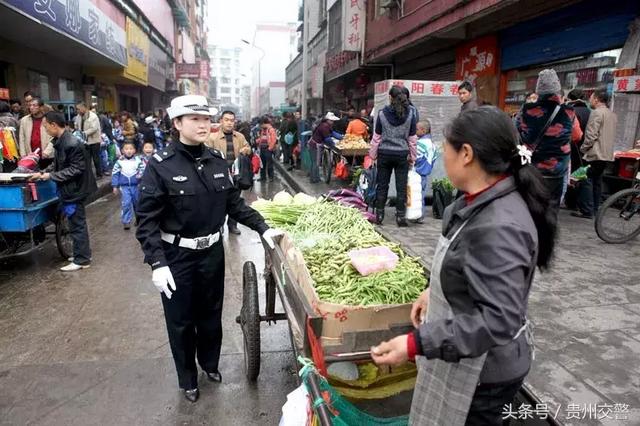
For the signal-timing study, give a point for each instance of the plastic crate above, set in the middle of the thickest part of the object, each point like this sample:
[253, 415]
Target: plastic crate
[22, 220]
[18, 195]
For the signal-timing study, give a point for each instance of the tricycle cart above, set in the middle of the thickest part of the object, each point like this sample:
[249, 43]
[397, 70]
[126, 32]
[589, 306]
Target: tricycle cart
[305, 324]
[331, 155]
[28, 212]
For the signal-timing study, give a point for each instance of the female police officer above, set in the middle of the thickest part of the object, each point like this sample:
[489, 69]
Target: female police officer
[185, 194]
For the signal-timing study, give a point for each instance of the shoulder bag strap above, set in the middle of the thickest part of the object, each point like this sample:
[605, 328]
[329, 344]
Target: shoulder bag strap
[546, 126]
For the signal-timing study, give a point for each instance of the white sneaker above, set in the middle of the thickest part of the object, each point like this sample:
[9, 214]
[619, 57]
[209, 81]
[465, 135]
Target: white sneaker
[73, 267]
[70, 259]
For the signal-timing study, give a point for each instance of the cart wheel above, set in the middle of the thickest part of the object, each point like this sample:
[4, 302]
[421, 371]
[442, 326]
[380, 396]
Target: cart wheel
[250, 321]
[64, 242]
[327, 165]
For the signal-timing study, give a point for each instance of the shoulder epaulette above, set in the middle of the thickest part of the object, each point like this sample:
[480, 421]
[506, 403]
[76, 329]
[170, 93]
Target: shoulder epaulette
[163, 155]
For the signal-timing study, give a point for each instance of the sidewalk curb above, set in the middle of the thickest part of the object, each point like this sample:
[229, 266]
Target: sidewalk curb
[289, 179]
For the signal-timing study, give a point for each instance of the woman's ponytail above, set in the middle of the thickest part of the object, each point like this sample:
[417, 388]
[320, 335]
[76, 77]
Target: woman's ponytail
[399, 101]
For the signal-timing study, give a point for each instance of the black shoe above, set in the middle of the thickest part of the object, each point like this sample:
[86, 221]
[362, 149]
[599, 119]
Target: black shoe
[379, 216]
[402, 221]
[420, 221]
[192, 395]
[271, 179]
[214, 376]
[234, 231]
[290, 168]
[581, 215]
[127, 226]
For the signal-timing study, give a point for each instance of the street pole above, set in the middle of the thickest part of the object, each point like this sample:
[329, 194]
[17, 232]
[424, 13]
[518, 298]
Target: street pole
[259, 63]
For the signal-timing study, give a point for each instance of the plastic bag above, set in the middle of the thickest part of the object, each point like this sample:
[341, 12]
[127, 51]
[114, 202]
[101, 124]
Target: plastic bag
[580, 174]
[373, 260]
[342, 170]
[414, 195]
[296, 411]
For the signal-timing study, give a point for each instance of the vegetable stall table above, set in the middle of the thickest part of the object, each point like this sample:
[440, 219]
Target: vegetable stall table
[28, 211]
[332, 155]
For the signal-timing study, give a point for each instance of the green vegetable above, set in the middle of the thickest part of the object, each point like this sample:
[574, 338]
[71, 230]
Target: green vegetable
[443, 184]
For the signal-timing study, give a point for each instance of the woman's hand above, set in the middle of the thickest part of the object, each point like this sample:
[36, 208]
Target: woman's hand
[419, 308]
[393, 352]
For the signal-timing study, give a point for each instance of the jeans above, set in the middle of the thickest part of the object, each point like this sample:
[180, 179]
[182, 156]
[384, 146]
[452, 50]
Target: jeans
[80, 235]
[316, 151]
[128, 202]
[425, 189]
[94, 153]
[487, 405]
[267, 163]
[590, 193]
[387, 165]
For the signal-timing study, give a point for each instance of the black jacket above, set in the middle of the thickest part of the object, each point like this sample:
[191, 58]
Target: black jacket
[71, 169]
[105, 126]
[582, 114]
[187, 197]
[486, 276]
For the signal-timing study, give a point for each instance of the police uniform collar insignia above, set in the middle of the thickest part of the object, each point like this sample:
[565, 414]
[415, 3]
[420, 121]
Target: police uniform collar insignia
[218, 175]
[180, 178]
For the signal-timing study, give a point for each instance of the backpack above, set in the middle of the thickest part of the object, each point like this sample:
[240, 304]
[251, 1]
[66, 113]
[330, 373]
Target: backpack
[289, 138]
[244, 179]
[368, 185]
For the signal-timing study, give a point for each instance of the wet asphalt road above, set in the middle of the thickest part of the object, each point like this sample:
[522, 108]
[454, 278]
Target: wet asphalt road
[90, 347]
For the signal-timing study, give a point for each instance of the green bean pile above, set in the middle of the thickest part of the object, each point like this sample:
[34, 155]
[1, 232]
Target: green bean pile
[335, 279]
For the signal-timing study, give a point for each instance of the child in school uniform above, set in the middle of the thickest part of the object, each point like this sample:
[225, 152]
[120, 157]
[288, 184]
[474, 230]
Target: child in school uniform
[125, 177]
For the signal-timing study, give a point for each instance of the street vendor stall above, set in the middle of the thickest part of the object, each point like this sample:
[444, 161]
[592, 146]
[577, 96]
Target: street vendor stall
[344, 157]
[343, 287]
[26, 210]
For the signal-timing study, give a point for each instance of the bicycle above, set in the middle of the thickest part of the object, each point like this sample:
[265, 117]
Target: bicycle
[618, 219]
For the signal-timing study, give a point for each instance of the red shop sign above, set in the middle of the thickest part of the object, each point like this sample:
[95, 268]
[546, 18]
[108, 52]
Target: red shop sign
[477, 58]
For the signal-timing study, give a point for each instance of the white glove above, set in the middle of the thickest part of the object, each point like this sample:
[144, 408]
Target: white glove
[163, 280]
[269, 236]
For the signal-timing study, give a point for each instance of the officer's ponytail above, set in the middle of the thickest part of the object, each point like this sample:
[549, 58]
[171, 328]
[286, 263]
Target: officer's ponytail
[494, 140]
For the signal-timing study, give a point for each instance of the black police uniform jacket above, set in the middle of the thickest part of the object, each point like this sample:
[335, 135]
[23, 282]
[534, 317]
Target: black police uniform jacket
[189, 198]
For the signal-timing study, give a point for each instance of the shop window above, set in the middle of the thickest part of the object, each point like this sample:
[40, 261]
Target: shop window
[66, 90]
[226, 100]
[225, 80]
[39, 83]
[335, 27]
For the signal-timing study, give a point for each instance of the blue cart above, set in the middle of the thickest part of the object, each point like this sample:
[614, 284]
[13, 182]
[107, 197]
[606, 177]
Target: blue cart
[29, 212]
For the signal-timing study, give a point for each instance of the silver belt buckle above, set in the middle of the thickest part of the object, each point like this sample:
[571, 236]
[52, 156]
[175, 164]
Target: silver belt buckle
[202, 243]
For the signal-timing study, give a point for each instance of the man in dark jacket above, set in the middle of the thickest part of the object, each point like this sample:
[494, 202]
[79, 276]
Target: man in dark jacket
[71, 171]
[582, 111]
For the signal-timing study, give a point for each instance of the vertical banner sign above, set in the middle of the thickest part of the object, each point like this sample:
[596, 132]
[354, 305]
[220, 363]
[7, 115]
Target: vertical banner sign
[353, 19]
[477, 58]
[137, 54]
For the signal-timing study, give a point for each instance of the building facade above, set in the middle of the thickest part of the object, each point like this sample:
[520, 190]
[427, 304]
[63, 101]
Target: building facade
[226, 77]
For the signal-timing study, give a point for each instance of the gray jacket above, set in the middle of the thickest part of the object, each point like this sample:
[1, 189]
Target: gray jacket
[486, 276]
[91, 127]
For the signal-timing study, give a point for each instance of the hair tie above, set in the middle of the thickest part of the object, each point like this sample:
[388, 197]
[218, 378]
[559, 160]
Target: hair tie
[525, 155]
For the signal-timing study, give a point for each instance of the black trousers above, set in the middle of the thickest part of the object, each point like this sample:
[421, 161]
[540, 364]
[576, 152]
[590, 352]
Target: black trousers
[80, 236]
[555, 186]
[590, 193]
[386, 165]
[94, 153]
[194, 312]
[488, 403]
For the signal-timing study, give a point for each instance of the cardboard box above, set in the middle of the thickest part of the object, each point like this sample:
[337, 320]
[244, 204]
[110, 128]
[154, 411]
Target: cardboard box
[377, 322]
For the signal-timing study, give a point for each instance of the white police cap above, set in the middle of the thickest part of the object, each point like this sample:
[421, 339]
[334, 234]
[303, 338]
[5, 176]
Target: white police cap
[188, 104]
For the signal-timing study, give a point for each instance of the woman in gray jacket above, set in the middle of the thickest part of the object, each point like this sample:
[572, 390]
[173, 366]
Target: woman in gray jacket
[474, 348]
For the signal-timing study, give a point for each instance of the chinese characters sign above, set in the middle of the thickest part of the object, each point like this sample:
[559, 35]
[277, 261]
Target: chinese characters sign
[477, 58]
[420, 87]
[354, 17]
[81, 20]
[627, 84]
[137, 53]
[184, 70]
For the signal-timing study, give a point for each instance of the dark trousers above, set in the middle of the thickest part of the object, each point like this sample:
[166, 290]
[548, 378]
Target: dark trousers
[194, 312]
[555, 186]
[80, 236]
[315, 152]
[94, 153]
[267, 163]
[386, 165]
[590, 192]
[287, 151]
[488, 404]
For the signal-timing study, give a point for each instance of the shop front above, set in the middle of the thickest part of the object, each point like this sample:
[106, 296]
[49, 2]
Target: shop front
[584, 54]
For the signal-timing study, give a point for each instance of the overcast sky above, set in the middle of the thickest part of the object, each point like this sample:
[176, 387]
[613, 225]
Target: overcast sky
[232, 20]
